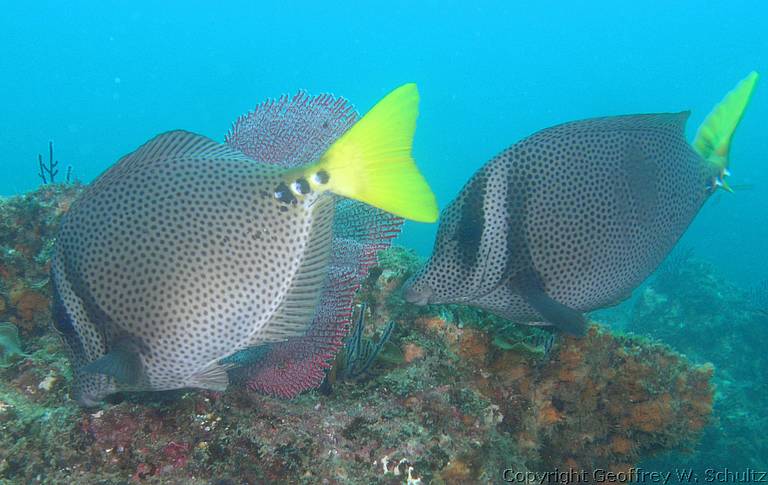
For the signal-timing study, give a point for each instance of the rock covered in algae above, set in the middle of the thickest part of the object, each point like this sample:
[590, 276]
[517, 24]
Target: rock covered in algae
[467, 397]
[28, 225]
[696, 311]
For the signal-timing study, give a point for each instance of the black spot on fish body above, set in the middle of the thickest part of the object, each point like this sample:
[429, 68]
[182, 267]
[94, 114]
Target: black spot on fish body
[322, 177]
[284, 194]
[301, 186]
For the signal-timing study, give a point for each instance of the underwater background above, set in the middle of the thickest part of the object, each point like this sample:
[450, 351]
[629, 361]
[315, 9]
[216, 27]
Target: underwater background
[101, 78]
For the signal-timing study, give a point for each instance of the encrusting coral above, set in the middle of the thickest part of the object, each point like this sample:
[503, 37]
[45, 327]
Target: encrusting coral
[459, 399]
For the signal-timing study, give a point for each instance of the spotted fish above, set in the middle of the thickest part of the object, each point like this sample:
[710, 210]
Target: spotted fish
[574, 217]
[187, 251]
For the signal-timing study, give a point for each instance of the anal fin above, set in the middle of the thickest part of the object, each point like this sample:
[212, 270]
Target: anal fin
[563, 317]
[296, 312]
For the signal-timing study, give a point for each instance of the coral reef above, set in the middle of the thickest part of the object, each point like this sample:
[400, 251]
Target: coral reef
[454, 396]
[692, 308]
[28, 225]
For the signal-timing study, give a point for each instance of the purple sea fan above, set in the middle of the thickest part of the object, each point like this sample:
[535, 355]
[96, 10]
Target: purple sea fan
[293, 131]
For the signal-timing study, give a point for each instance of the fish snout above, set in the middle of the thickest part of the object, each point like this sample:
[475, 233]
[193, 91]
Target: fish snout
[417, 293]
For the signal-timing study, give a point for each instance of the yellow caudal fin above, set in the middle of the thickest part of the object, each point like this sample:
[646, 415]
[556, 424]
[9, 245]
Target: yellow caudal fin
[713, 140]
[372, 161]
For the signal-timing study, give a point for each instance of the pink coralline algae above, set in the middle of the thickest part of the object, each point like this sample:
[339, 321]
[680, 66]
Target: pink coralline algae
[176, 454]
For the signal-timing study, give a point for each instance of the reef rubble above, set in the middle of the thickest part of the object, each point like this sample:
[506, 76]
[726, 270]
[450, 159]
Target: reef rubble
[457, 396]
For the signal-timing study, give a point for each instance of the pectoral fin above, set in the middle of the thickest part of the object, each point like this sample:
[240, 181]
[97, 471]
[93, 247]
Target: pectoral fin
[564, 318]
[121, 364]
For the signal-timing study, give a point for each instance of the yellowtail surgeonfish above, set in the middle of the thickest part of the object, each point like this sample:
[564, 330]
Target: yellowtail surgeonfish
[574, 217]
[187, 251]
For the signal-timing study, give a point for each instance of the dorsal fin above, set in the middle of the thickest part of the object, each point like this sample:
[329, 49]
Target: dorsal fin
[674, 122]
[178, 144]
[297, 310]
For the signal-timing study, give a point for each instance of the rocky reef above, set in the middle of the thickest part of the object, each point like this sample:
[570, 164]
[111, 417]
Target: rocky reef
[691, 307]
[454, 396]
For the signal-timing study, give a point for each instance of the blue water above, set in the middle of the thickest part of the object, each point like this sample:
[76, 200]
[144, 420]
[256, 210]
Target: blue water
[100, 78]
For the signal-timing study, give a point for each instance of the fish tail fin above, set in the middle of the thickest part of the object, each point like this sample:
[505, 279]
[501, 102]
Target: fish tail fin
[713, 140]
[372, 161]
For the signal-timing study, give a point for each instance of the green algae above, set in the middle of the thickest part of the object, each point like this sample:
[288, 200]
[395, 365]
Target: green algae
[10, 344]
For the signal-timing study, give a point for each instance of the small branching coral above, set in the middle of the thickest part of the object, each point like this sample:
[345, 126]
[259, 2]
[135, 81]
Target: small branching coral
[355, 360]
[360, 352]
[47, 172]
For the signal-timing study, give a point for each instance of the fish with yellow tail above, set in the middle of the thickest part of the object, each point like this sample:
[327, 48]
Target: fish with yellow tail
[575, 217]
[187, 251]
